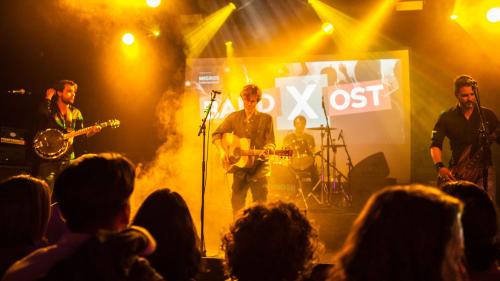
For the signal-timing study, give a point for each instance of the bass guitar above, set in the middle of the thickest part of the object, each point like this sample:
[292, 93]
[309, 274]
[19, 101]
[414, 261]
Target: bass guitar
[469, 167]
[239, 154]
[52, 143]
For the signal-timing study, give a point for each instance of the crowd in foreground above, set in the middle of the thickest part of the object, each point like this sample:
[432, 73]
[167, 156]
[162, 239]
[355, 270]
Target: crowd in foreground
[82, 231]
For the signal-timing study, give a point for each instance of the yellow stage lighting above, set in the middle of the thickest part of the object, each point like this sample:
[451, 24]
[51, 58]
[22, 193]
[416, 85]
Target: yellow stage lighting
[229, 43]
[153, 3]
[128, 39]
[493, 15]
[454, 17]
[199, 37]
[156, 33]
[327, 28]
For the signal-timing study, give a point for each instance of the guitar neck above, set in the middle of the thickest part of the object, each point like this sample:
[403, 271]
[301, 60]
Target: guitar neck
[257, 152]
[80, 132]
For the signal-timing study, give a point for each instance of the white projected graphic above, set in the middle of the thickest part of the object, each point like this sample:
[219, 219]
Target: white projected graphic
[366, 97]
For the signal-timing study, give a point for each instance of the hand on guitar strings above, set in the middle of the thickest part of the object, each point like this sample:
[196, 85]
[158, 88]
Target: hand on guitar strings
[94, 130]
[446, 174]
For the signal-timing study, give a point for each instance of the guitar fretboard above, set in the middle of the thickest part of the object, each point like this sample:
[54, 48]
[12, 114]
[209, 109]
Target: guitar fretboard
[82, 131]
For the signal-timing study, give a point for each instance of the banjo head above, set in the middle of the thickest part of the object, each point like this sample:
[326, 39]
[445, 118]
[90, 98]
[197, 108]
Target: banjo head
[50, 144]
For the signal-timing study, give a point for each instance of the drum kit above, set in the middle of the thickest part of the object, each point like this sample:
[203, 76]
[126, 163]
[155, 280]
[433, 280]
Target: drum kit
[311, 178]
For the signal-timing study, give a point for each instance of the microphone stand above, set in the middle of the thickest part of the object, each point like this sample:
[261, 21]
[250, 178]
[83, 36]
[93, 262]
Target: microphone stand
[484, 142]
[203, 173]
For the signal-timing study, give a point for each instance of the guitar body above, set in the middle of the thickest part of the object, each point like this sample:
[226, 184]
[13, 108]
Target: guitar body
[469, 168]
[239, 154]
[234, 147]
[50, 144]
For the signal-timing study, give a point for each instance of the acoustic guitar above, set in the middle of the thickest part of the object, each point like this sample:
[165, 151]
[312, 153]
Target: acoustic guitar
[239, 154]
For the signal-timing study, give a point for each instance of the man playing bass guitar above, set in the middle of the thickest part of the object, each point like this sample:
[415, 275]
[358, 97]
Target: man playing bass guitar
[461, 124]
[258, 128]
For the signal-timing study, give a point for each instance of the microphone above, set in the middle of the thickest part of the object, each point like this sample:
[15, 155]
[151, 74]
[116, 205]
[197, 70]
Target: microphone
[18, 92]
[216, 92]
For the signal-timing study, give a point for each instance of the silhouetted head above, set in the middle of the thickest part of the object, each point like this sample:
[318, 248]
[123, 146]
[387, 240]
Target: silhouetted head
[166, 215]
[403, 233]
[24, 210]
[270, 242]
[93, 192]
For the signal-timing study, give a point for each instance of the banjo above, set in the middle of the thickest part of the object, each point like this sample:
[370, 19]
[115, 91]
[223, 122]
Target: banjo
[52, 143]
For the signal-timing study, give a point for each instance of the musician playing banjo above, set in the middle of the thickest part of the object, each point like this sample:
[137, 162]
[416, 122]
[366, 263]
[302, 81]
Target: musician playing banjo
[461, 124]
[58, 112]
[258, 128]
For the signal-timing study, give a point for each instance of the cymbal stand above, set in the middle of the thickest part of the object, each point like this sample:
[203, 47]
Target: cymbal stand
[321, 182]
[346, 197]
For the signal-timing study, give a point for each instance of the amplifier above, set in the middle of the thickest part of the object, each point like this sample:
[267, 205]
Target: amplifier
[12, 154]
[14, 136]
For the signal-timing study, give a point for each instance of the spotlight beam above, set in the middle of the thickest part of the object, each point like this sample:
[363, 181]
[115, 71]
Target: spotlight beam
[199, 37]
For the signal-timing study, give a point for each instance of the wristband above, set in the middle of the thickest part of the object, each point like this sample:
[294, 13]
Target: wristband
[439, 165]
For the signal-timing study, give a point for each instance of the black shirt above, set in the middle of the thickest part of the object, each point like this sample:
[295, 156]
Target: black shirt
[462, 132]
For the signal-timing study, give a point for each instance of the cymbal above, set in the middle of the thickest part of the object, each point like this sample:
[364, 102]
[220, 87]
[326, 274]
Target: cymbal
[321, 128]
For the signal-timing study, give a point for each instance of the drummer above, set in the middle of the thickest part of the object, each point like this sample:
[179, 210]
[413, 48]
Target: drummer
[302, 144]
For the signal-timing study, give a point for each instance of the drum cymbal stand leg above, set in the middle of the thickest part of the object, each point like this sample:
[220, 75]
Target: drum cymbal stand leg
[301, 192]
[311, 193]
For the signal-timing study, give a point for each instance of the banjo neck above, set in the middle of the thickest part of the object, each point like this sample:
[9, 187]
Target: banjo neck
[80, 132]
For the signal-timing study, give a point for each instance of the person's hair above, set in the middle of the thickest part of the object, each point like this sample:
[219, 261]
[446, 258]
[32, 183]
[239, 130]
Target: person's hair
[403, 233]
[463, 81]
[331, 74]
[367, 70]
[166, 215]
[59, 86]
[24, 210]
[480, 224]
[270, 242]
[93, 190]
[299, 117]
[251, 90]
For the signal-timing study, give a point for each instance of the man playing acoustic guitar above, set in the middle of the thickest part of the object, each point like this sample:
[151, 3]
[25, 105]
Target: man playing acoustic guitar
[58, 112]
[257, 127]
[461, 124]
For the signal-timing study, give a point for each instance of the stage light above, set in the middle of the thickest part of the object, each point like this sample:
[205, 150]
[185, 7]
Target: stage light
[229, 49]
[454, 17]
[493, 15]
[153, 3]
[199, 37]
[156, 33]
[327, 28]
[128, 39]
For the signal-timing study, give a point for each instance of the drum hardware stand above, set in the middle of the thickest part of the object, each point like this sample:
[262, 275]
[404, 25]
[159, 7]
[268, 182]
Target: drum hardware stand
[301, 192]
[329, 188]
